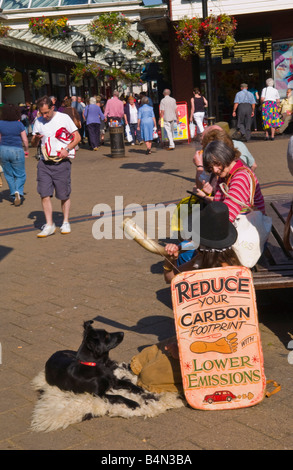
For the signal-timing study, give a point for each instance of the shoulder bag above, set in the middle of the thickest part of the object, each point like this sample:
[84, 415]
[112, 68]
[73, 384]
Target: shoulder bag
[253, 227]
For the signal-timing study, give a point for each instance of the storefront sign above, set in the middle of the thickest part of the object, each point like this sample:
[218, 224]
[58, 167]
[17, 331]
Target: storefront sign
[181, 128]
[218, 338]
[283, 66]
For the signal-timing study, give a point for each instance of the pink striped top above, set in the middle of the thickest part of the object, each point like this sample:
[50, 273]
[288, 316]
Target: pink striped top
[239, 188]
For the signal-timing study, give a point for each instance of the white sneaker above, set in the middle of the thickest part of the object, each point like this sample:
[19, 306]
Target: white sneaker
[17, 200]
[65, 228]
[46, 231]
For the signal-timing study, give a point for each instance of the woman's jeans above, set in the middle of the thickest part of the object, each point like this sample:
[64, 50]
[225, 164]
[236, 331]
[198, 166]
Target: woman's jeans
[134, 132]
[199, 117]
[12, 160]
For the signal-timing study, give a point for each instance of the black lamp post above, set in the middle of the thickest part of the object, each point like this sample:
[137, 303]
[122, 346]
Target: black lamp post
[132, 66]
[115, 58]
[208, 61]
[87, 47]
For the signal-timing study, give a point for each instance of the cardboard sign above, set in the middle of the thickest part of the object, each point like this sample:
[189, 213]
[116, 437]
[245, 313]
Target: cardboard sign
[218, 337]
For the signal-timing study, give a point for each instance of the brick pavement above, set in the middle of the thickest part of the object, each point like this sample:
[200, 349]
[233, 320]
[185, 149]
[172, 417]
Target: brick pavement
[50, 286]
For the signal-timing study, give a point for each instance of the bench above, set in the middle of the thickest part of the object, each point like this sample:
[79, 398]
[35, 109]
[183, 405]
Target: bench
[275, 267]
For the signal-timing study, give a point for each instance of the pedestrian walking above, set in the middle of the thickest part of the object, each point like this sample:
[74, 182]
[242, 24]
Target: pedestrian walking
[146, 123]
[93, 116]
[169, 114]
[244, 104]
[50, 174]
[131, 118]
[197, 112]
[13, 149]
[270, 100]
[114, 109]
[77, 104]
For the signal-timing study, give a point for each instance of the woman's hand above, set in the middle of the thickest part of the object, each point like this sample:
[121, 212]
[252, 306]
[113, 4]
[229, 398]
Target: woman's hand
[172, 249]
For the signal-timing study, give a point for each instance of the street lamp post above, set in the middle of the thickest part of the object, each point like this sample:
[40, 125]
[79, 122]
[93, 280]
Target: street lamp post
[116, 58]
[132, 66]
[87, 47]
[208, 61]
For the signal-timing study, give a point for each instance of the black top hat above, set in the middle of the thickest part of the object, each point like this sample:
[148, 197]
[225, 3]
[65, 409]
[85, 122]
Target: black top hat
[216, 230]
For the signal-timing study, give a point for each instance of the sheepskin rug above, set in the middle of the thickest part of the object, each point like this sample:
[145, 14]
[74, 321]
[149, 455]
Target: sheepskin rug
[56, 409]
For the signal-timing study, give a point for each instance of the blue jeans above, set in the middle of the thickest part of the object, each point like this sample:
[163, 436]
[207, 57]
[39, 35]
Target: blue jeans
[12, 160]
[134, 132]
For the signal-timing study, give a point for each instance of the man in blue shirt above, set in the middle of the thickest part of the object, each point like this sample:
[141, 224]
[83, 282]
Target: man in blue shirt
[244, 103]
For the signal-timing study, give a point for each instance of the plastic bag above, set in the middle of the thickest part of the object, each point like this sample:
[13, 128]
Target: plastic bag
[192, 129]
[128, 133]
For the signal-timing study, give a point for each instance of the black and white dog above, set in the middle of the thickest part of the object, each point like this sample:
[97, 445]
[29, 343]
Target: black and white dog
[91, 370]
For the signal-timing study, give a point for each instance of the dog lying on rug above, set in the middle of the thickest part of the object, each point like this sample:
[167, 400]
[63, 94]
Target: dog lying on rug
[81, 385]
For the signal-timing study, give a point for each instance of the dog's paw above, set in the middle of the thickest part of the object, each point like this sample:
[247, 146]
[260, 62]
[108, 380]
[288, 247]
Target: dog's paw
[132, 404]
[149, 397]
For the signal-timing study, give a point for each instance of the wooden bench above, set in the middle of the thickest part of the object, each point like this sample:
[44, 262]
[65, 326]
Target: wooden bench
[275, 268]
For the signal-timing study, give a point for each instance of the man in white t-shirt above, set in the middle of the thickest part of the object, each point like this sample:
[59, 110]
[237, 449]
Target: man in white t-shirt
[51, 175]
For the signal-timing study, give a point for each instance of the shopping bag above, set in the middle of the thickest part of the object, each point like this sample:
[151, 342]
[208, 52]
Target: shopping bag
[155, 133]
[192, 129]
[128, 133]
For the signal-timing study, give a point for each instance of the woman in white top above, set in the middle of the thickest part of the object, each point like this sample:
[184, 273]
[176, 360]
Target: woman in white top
[270, 100]
[198, 105]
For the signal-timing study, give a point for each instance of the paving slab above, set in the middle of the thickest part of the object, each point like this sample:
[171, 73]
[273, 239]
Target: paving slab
[50, 286]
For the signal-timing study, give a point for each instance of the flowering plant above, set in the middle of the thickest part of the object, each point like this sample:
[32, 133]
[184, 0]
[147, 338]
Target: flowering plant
[134, 45]
[7, 76]
[120, 74]
[112, 26]
[50, 28]
[39, 78]
[193, 34]
[80, 71]
[4, 30]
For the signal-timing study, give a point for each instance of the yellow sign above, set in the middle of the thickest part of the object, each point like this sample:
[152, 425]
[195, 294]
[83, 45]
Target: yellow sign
[181, 129]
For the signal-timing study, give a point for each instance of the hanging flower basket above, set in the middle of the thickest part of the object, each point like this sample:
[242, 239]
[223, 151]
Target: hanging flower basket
[120, 74]
[4, 30]
[81, 71]
[146, 56]
[7, 76]
[194, 34]
[110, 26]
[49, 28]
[39, 78]
[135, 45]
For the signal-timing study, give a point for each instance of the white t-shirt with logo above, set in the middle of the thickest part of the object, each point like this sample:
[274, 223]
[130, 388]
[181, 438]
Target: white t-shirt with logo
[49, 128]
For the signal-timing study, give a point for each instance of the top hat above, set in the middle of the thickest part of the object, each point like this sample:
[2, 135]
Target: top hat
[216, 230]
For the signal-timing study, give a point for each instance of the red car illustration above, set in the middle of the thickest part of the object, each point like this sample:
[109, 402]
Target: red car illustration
[223, 395]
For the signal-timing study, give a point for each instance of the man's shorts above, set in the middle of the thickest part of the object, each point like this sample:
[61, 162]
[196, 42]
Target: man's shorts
[56, 176]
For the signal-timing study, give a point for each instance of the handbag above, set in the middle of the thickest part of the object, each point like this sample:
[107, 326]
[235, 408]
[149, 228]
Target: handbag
[128, 133]
[253, 227]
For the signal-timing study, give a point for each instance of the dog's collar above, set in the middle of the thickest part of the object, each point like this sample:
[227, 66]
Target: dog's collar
[92, 364]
